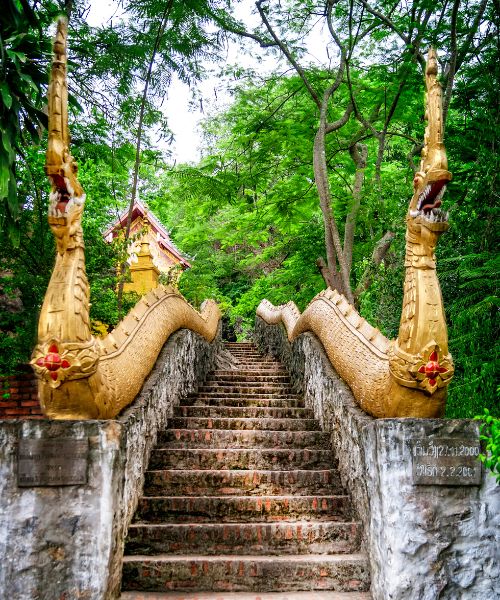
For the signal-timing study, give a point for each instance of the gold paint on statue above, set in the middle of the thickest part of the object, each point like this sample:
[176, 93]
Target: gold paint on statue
[79, 376]
[407, 377]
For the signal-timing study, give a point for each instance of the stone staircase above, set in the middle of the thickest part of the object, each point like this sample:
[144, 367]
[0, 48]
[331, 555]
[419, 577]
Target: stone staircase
[242, 500]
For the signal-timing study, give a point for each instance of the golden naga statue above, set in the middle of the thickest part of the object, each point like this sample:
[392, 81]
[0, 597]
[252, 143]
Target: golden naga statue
[406, 377]
[79, 376]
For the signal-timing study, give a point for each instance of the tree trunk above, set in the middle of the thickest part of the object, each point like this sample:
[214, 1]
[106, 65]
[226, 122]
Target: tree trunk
[332, 280]
[359, 154]
[332, 238]
[378, 255]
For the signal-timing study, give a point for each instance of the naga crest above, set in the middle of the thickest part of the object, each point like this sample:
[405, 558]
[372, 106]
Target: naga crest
[66, 197]
[433, 176]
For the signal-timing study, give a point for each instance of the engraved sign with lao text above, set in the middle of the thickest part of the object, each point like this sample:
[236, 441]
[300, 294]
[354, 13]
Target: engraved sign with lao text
[446, 461]
[43, 462]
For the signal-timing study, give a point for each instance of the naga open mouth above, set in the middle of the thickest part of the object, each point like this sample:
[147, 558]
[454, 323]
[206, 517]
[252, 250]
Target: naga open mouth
[429, 202]
[432, 195]
[62, 197]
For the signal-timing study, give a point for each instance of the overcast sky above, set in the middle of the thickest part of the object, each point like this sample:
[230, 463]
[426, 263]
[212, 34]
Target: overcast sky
[182, 119]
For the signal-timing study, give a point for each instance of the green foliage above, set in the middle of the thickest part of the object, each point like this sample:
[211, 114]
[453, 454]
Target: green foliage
[24, 50]
[247, 215]
[490, 434]
[474, 327]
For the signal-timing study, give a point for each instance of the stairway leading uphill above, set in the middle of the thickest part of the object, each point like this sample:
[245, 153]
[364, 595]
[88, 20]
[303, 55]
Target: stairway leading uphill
[242, 499]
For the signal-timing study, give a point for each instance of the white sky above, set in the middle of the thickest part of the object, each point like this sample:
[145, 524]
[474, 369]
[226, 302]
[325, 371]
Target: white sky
[183, 120]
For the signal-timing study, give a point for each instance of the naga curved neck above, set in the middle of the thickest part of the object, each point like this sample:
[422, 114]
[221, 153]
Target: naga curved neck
[65, 311]
[422, 318]
[419, 357]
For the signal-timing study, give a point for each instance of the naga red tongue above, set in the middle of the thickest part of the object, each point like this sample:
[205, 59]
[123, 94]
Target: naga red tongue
[428, 207]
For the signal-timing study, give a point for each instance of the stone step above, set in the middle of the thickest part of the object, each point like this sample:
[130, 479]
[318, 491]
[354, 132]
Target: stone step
[242, 438]
[343, 572]
[253, 365]
[246, 596]
[199, 482]
[266, 391]
[250, 384]
[298, 537]
[243, 423]
[228, 458]
[262, 368]
[235, 509]
[206, 400]
[221, 393]
[238, 377]
[242, 500]
[252, 354]
[251, 412]
[269, 372]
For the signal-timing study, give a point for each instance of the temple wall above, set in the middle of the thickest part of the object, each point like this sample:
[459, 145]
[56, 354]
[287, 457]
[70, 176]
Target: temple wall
[424, 542]
[67, 541]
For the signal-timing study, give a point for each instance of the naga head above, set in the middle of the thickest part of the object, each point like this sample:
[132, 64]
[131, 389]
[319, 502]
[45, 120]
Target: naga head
[433, 176]
[66, 197]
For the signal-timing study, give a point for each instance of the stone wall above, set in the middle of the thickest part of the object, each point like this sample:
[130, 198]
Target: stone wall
[424, 541]
[66, 542]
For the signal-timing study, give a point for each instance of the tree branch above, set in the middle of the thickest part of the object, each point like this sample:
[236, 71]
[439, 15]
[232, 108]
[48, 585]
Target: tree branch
[378, 255]
[330, 127]
[450, 75]
[288, 54]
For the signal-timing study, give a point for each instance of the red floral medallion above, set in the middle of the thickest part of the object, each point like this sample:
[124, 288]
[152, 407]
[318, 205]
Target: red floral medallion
[432, 368]
[52, 362]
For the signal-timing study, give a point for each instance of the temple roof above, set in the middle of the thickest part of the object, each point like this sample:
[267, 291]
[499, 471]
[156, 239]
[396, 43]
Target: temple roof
[162, 235]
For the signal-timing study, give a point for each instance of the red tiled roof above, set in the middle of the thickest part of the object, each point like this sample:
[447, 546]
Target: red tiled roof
[164, 242]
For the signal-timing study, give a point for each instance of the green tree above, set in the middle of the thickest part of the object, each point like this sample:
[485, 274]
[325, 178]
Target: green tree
[24, 51]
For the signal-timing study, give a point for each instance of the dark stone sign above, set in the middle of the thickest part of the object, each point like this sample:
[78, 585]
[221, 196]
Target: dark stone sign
[43, 462]
[445, 461]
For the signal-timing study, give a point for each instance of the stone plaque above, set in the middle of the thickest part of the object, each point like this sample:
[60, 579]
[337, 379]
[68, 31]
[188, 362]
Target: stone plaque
[445, 461]
[43, 462]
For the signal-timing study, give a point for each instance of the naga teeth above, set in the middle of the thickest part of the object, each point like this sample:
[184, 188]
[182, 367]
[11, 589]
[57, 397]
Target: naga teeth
[423, 196]
[441, 193]
[414, 213]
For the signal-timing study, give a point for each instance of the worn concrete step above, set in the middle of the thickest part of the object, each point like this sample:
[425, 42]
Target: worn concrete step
[245, 359]
[298, 537]
[250, 351]
[221, 394]
[259, 368]
[242, 438]
[234, 509]
[250, 412]
[205, 400]
[269, 424]
[246, 596]
[176, 482]
[242, 370]
[246, 390]
[246, 458]
[237, 377]
[248, 384]
[244, 366]
[343, 572]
